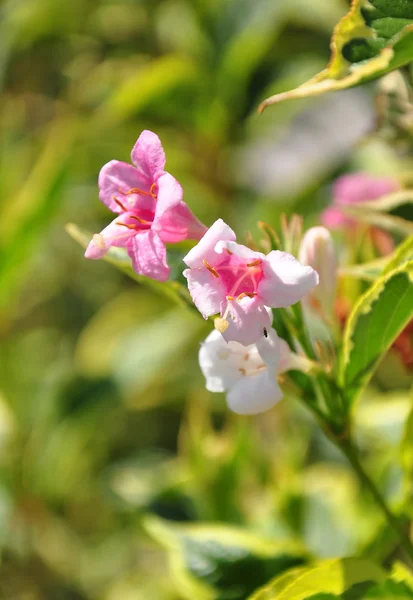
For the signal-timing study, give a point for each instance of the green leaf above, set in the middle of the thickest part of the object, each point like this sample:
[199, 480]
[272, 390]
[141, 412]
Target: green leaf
[389, 590]
[375, 322]
[369, 271]
[28, 213]
[319, 580]
[374, 38]
[407, 447]
[382, 212]
[119, 258]
[221, 562]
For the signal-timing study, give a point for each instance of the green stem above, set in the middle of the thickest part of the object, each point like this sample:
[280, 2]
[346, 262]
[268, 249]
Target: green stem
[351, 453]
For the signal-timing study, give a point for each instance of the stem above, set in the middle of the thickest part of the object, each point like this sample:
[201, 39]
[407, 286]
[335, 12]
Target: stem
[351, 453]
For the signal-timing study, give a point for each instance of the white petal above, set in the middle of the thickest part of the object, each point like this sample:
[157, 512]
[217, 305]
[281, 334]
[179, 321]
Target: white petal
[270, 350]
[254, 394]
[220, 362]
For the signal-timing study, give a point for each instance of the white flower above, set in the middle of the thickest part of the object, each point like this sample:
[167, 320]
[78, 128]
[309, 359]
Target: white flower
[248, 373]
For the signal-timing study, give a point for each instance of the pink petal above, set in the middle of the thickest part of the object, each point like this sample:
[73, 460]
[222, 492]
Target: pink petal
[361, 187]
[247, 320]
[148, 156]
[254, 394]
[173, 220]
[118, 233]
[333, 218]
[148, 254]
[206, 291]
[285, 280]
[205, 249]
[238, 250]
[115, 180]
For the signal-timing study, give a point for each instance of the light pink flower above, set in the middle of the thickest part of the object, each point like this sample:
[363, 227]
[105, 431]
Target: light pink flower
[150, 209]
[248, 374]
[228, 278]
[351, 189]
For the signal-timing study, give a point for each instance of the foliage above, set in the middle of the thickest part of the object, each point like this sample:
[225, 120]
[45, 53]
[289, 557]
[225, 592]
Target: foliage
[115, 462]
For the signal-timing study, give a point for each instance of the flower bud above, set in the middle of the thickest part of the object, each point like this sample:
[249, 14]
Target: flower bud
[317, 251]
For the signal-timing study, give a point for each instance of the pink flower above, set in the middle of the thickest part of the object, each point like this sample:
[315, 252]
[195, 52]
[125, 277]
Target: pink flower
[150, 209]
[228, 278]
[351, 189]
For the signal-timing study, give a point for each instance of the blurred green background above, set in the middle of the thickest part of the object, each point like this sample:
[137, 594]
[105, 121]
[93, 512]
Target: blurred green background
[104, 418]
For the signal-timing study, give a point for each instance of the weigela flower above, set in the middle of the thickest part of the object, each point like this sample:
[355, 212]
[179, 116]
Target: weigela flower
[150, 209]
[248, 374]
[351, 189]
[317, 250]
[228, 278]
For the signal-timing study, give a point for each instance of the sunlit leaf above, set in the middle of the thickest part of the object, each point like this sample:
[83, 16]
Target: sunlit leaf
[374, 38]
[376, 321]
[219, 561]
[325, 577]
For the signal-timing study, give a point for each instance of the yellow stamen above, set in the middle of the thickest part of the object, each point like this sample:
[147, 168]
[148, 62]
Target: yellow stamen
[254, 263]
[229, 251]
[221, 325]
[242, 371]
[211, 269]
[246, 294]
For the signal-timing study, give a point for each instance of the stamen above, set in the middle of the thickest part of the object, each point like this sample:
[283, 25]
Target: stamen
[242, 371]
[254, 263]
[140, 220]
[230, 298]
[127, 225]
[229, 251]
[211, 269]
[221, 325]
[119, 203]
[136, 191]
[246, 294]
[152, 193]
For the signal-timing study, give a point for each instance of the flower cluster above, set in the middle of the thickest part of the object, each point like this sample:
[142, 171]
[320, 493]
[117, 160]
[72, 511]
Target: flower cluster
[244, 355]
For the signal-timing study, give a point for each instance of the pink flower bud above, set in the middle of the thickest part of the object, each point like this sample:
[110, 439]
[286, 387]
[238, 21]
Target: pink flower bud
[317, 251]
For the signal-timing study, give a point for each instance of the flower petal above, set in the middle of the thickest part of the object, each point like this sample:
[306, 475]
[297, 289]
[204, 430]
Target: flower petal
[205, 249]
[148, 156]
[254, 394]
[285, 280]
[333, 218]
[148, 254]
[362, 187]
[238, 250]
[173, 220]
[269, 348]
[118, 233]
[247, 319]
[116, 179]
[220, 363]
[205, 290]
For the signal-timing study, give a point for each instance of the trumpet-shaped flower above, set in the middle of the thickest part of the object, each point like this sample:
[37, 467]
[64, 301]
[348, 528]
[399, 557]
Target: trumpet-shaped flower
[228, 278]
[248, 374]
[351, 189]
[150, 209]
